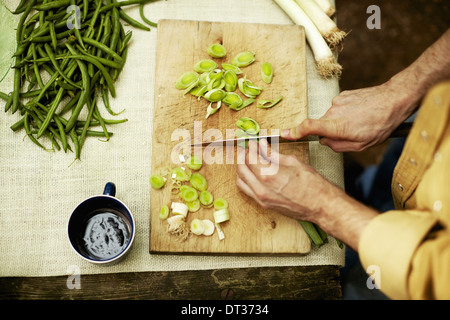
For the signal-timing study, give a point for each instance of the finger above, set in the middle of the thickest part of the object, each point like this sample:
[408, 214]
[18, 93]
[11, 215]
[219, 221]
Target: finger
[320, 127]
[252, 156]
[342, 145]
[245, 188]
[268, 152]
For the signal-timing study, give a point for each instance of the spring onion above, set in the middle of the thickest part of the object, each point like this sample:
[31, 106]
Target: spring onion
[231, 67]
[194, 162]
[193, 206]
[327, 27]
[198, 182]
[220, 203]
[216, 50]
[205, 65]
[157, 181]
[197, 226]
[326, 7]
[164, 213]
[231, 80]
[209, 227]
[179, 208]
[244, 59]
[221, 215]
[189, 194]
[249, 125]
[267, 72]
[206, 198]
[326, 64]
[187, 80]
[266, 104]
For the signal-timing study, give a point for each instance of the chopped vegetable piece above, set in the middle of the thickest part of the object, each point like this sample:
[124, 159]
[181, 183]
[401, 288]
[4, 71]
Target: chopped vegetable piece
[189, 194]
[221, 215]
[187, 80]
[266, 104]
[157, 181]
[231, 80]
[228, 67]
[177, 226]
[249, 125]
[164, 213]
[215, 95]
[244, 59]
[267, 72]
[206, 198]
[198, 181]
[183, 187]
[209, 227]
[194, 162]
[220, 232]
[197, 227]
[211, 110]
[181, 174]
[205, 65]
[233, 100]
[179, 208]
[248, 88]
[217, 50]
[193, 206]
[199, 91]
[220, 203]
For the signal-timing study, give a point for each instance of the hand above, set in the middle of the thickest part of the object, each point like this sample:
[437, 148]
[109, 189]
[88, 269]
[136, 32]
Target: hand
[281, 182]
[358, 119]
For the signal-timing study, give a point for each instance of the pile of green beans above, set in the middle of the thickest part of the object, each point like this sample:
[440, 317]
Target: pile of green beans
[81, 63]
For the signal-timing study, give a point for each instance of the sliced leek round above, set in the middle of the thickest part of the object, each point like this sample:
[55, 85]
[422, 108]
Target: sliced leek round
[179, 208]
[189, 194]
[267, 104]
[193, 206]
[187, 80]
[197, 227]
[244, 59]
[220, 203]
[198, 181]
[221, 215]
[208, 227]
[249, 125]
[267, 72]
[206, 198]
[164, 213]
[194, 162]
[231, 80]
[157, 181]
[215, 95]
[227, 67]
[248, 88]
[181, 174]
[210, 110]
[233, 100]
[216, 50]
[206, 65]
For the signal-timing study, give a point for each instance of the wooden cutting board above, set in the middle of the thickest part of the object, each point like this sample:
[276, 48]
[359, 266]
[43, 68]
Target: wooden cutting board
[251, 229]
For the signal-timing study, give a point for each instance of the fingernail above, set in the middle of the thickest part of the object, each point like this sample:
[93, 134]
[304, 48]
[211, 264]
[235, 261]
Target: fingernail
[285, 132]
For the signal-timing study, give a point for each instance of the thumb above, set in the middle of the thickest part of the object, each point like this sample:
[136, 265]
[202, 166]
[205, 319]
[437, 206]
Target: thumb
[320, 127]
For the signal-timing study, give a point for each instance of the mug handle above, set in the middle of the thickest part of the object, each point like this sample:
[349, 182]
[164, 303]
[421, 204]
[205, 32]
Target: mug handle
[110, 189]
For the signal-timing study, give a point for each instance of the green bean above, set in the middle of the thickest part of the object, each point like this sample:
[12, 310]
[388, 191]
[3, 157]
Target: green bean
[116, 29]
[123, 3]
[83, 98]
[51, 112]
[28, 130]
[35, 67]
[130, 20]
[52, 5]
[92, 133]
[141, 13]
[125, 41]
[102, 122]
[52, 57]
[74, 137]
[102, 47]
[16, 91]
[91, 106]
[20, 25]
[104, 61]
[105, 99]
[21, 7]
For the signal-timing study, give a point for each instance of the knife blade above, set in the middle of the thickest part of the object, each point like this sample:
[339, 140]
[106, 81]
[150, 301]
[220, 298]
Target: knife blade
[401, 132]
[270, 138]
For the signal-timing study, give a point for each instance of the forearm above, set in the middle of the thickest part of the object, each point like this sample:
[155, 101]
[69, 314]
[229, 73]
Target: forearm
[343, 217]
[432, 67]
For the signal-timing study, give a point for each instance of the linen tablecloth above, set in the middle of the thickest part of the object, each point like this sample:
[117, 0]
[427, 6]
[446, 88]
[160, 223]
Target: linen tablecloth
[39, 189]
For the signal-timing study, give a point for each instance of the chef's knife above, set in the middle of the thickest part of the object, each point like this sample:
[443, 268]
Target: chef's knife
[401, 132]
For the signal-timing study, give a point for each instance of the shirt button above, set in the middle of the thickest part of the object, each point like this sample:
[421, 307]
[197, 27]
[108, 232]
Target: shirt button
[437, 100]
[437, 205]
[424, 135]
[437, 156]
[413, 162]
[400, 187]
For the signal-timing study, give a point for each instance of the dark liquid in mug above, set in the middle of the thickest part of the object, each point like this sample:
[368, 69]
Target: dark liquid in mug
[106, 235]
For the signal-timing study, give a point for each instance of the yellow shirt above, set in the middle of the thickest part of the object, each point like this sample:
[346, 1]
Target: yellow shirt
[410, 246]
